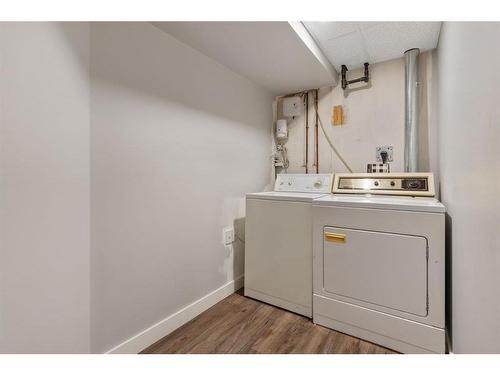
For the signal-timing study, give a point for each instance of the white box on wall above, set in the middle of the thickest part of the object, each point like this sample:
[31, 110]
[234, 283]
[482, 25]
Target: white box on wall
[292, 106]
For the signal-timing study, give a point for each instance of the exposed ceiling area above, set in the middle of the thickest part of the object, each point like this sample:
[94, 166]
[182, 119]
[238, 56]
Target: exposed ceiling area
[353, 43]
[275, 55]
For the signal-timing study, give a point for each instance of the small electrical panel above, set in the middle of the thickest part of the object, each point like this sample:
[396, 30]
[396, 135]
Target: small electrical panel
[293, 106]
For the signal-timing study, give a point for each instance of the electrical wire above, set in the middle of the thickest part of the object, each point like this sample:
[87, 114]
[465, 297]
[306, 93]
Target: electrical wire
[331, 143]
[284, 156]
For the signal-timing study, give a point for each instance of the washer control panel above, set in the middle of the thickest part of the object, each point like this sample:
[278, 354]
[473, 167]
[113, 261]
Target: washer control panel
[410, 184]
[304, 183]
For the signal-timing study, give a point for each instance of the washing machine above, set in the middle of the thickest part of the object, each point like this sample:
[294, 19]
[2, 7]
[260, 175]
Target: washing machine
[379, 261]
[278, 241]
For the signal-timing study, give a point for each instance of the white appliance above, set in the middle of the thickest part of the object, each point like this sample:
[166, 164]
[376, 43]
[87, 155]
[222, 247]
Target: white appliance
[278, 241]
[281, 131]
[379, 261]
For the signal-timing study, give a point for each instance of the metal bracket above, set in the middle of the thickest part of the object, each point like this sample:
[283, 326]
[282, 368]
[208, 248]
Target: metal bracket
[346, 83]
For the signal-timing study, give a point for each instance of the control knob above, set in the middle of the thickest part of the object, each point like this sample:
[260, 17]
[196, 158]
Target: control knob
[318, 184]
[414, 184]
[417, 184]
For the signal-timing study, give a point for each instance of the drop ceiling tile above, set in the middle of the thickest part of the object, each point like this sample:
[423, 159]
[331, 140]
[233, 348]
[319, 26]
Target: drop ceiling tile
[391, 39]
[324, 31]
[346, 50]
[353, 43]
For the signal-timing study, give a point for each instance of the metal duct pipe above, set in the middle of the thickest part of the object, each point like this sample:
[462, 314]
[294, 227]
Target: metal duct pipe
[411, 110]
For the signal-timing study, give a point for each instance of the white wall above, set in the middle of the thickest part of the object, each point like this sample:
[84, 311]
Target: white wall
[177, 140]
[44, 188]
[374, 117]
[469, 144]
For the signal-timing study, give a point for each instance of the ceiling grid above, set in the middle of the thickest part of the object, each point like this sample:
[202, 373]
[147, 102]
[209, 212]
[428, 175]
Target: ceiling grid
[354, 43]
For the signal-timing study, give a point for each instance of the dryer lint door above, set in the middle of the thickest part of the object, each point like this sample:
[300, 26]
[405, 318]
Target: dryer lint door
[376, 268]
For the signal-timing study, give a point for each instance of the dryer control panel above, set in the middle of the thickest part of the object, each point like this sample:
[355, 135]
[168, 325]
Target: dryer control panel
[304, 183]
[409, 184]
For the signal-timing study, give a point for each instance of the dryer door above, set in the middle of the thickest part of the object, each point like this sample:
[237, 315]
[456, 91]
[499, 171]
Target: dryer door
[384, 269]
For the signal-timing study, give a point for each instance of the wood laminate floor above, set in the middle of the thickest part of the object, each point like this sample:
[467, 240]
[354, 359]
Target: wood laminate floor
[239, 324]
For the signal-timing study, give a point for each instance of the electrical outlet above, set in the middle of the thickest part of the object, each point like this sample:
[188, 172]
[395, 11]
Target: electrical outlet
[387, 149]
[227, 236]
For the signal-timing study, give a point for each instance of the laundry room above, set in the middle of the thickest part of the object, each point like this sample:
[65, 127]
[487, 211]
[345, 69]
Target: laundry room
[274, 183]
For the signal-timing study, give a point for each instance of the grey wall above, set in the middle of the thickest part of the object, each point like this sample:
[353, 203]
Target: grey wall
[177, 140]
[44, 188]
[469, 156]
[160, 142]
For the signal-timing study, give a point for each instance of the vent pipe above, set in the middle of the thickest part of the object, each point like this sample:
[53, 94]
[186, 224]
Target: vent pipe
[411, 110]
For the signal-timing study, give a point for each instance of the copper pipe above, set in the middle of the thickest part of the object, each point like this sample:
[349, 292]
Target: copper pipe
[306, 115]
[316, 132]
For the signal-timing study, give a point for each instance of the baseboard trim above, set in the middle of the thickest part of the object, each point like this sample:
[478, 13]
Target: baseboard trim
[152, 334]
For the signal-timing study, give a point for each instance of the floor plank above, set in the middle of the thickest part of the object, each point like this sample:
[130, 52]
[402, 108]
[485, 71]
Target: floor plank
[239, 324]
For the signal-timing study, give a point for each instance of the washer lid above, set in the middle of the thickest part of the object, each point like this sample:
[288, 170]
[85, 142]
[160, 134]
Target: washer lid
[421, 204]
[285, 196]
